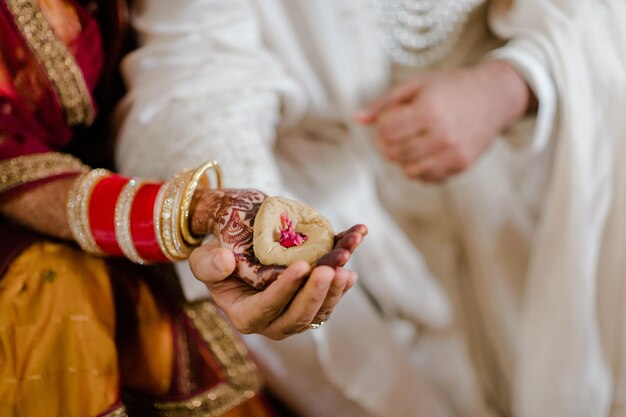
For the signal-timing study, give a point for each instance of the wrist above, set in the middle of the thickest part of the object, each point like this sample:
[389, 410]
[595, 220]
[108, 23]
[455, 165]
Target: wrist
[144, 221]
[202, 211]
[511, 97]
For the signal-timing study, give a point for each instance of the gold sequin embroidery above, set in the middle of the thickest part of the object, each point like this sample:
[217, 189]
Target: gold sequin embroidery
[59, 64]
[118, 412]
[28, 168]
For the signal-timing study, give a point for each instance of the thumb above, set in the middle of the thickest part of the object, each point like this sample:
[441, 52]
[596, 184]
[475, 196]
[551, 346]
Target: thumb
[210, 263]
[396, 96]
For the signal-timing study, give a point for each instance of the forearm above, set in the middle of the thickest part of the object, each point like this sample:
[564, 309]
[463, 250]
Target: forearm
[42, 209]
[203, 211]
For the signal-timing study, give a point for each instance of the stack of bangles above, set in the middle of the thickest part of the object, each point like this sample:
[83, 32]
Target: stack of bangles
[145, 221]
[111, 215]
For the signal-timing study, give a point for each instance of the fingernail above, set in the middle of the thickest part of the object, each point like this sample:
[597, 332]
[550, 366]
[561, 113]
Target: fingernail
[219, 264]
[203, 269]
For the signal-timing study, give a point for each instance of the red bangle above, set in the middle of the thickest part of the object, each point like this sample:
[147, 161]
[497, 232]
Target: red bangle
[142, 224]
[102, 213]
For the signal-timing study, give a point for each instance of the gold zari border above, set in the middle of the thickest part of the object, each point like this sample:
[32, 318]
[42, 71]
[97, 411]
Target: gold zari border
[28, 168]
[60, 66]
[243, 382]
[118, 412]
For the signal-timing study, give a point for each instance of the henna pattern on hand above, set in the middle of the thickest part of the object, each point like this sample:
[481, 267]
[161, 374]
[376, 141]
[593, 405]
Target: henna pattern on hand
[231, 214]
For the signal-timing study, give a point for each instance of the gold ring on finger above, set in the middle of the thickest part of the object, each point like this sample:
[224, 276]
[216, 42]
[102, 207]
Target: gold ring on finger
[314, 326]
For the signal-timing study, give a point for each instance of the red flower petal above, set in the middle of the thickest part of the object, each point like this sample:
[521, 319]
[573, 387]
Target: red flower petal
[288, 236]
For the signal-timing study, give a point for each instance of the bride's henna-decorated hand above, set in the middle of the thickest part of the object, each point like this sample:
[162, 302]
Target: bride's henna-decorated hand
[230, 218]
[229, 215]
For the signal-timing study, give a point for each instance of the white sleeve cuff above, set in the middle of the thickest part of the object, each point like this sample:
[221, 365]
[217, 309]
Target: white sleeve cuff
[525, 58]
[236, 130]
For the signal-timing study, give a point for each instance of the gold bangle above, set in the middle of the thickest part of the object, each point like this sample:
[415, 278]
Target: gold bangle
[122, 220]
[169, 217]
[185, 203]
[182, 249]
[28, 168]
[158, 223]
[78, 209]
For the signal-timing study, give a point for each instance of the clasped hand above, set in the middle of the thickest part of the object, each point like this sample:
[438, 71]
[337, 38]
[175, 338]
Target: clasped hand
[438, 124]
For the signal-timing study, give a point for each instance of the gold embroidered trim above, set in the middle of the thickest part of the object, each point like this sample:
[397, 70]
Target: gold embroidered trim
[28, 168]
[59, 64]
[184, 382]
[243, 377]
[118, 412]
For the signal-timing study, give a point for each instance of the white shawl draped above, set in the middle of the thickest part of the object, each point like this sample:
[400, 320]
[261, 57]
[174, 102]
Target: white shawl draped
[571, 354]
